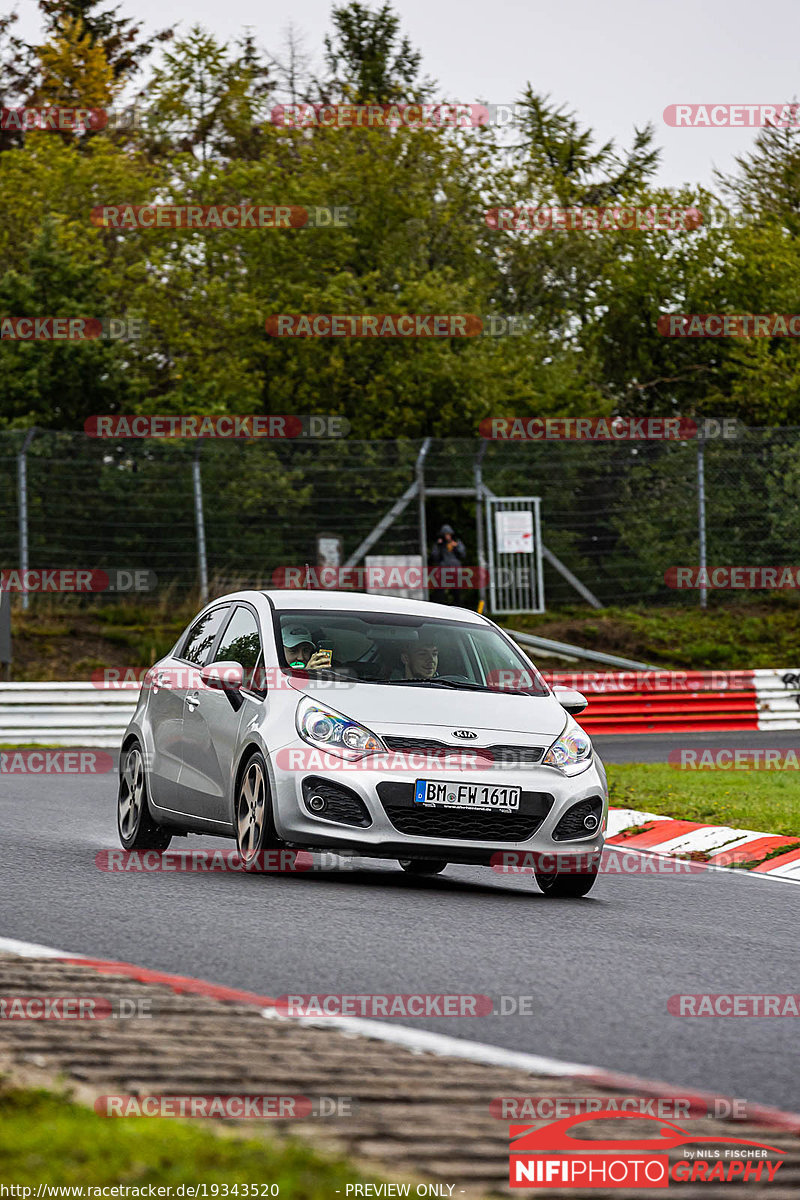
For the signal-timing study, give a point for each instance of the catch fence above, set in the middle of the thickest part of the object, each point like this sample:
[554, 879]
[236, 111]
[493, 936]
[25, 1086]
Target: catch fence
[614, 516]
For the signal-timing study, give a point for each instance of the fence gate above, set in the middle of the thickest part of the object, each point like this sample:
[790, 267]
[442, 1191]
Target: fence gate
[515, 554]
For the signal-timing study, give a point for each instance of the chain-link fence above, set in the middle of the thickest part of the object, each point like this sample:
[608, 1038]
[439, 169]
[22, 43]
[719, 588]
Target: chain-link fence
[617, 515]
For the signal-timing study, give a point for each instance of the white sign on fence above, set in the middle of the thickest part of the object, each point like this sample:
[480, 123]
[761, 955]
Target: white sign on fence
[329, 551]
[514, 531]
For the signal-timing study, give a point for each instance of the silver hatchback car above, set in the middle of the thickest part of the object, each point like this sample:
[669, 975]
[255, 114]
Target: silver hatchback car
[363, 725]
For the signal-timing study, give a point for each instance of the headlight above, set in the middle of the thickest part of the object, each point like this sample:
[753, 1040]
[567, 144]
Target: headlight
[328, 730]
[571, 753]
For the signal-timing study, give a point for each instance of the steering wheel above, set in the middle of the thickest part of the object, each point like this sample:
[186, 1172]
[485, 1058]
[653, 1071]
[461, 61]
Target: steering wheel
[453, 678]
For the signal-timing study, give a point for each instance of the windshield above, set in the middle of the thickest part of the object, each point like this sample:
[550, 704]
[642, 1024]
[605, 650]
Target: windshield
[403, 651]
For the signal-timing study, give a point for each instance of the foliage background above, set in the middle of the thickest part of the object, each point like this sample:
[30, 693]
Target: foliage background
[419, 242]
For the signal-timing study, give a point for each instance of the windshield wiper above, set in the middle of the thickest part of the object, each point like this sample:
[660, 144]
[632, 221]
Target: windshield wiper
[466, 686]
[445, 683]
[320, 673]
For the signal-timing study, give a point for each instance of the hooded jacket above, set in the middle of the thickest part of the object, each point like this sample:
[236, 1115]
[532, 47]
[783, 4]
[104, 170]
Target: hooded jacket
[441, 556]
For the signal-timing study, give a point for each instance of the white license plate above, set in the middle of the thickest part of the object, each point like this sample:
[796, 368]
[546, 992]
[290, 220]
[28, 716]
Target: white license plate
[466, 795]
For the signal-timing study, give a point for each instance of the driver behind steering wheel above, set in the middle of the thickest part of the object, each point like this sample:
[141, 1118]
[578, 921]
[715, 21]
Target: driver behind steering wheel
[421, 660]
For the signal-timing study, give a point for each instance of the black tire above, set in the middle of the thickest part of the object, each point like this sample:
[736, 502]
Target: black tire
[252, 814]
[565, 886]
[136, 828]
[422, 866]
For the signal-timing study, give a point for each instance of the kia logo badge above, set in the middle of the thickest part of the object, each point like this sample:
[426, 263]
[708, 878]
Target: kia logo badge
[464, 733]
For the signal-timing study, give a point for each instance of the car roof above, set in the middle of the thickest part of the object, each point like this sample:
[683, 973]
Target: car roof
[327, 600]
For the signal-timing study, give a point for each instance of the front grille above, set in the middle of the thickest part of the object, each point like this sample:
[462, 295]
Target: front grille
[418, 821]
[516, 756]
[501, 756]
[571, 824]
[417, 744]
[341, 803]
[469, 826]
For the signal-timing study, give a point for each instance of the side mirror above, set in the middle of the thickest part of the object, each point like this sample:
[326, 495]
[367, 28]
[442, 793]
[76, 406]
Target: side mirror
[574, 702]
[223, 676]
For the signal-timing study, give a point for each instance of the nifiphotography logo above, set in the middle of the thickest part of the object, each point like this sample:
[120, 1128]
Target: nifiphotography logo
[552, 1157]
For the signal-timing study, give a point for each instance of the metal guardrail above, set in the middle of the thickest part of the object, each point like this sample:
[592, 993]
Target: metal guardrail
[577, 652]
[672, 711]
[687, 701]
[64, 714]
[778, 697]
[655, 701]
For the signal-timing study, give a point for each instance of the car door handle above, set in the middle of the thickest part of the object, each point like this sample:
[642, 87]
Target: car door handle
[192, 701]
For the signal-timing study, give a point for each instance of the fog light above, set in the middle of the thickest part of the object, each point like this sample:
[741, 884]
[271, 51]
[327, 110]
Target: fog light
[316, 803]
[590, 822]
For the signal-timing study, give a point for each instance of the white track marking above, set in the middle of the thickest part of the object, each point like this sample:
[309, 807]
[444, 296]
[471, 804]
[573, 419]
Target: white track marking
[32, 950]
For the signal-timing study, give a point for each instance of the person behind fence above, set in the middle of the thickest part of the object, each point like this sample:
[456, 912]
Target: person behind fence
[448, 551]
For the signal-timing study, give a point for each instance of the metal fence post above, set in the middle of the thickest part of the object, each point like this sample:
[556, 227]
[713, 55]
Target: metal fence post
[22, 508]
[5, 632]
[480, 546]
[423, 528]
[202, 564]
[701, 515]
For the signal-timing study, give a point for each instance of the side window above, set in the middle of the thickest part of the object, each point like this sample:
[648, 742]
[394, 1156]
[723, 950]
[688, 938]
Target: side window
[197, 647]
[258, 683]
[241, 642]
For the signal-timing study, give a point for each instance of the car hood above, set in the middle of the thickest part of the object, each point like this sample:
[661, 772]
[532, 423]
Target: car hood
[384, 708]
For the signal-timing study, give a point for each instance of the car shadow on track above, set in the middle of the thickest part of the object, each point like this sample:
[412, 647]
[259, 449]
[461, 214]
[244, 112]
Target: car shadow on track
[400, 881]
[389, 875]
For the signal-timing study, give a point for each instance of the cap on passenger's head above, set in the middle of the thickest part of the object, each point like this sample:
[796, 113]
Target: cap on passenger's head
[295, 635]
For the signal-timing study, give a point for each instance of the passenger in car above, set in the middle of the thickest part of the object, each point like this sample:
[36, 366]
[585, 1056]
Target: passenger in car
[300, 650]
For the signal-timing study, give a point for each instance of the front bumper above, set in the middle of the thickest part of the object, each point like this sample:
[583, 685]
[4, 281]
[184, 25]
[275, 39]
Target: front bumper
[382, 795]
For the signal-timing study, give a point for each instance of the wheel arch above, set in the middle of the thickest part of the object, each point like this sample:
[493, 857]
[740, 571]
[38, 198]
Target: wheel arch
[132, 736]
[253, 746]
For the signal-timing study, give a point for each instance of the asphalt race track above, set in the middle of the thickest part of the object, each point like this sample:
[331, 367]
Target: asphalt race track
[600, 970]
[655, 747]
